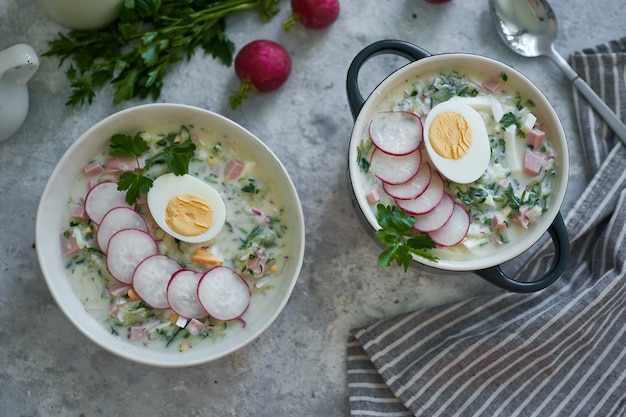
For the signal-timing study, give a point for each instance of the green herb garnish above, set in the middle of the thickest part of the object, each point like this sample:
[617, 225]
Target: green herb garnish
[174, 151]
[149, 36]
[400, 239]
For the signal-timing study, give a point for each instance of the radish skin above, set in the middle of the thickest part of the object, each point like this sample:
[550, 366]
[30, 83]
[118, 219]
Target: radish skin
[151, 278]
[261, 65]
[102, 198]
[115, 220]
[182, 294]
[313, 14]
[455, 229]
[428, 200]
[396, 132]
[127, 248]
[395, 169]
[224, 294]
[437, 217]
[412, 188]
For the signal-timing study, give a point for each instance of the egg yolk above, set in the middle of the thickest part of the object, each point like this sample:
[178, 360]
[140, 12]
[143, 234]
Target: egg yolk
[450, 135]
[188, 214]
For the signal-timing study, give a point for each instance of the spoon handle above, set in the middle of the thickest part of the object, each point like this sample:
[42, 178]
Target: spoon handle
[618, 127]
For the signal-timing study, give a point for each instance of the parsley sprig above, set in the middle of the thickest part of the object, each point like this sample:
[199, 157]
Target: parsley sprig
[175, 151]
[400, 239]
[135, 52]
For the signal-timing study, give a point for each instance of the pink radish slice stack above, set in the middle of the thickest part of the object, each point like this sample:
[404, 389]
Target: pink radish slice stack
[454, 231]
[182, 294]
[127, 248]
[428, 200]
[396, 133]
[414, 187]
[117, 219]
[393, 169]
[437, 217]
[102, 198]
[223, 293]
[151, 278]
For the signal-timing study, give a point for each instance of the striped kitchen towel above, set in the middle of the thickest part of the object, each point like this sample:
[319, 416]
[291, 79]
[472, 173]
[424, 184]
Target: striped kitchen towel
[558, 352]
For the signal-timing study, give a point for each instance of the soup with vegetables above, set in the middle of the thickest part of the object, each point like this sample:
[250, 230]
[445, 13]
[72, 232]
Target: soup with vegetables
[172, 238]
[464, 160]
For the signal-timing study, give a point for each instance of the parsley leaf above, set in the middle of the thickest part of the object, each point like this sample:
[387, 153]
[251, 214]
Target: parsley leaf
[175, 150]
[133, 53]
[400, 239]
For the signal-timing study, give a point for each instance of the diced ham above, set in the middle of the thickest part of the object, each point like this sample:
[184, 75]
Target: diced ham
[532, 163]
[69, 246]
[118, 290]
[535, 138]
[93, 168]
[195, 326]
[233, 169]
[137, 332]
[491, 84]
[78, 212]
[498, 222]
[373, 196]
[119, 163]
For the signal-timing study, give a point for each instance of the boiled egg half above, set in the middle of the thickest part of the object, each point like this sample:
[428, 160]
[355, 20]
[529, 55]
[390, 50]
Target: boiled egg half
[186, 207]
[455, 137]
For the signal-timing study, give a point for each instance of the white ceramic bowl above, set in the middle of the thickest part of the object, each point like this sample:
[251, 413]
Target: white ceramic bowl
[52, 213]
[424, 63]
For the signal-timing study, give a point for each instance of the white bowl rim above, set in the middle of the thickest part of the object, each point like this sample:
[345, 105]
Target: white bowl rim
[450, 61]
[72, 307]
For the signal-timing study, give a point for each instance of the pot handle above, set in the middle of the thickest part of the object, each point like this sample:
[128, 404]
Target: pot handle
[388, 46]
[558, 233]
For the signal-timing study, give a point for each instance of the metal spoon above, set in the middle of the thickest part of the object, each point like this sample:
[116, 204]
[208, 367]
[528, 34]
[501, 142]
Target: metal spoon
[528, 27]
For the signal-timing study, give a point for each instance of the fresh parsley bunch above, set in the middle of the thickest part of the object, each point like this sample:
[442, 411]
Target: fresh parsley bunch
[400, 239]
[135, 52]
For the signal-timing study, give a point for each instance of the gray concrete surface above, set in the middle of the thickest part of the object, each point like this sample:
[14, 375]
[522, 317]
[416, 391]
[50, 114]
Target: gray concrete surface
[296, 368]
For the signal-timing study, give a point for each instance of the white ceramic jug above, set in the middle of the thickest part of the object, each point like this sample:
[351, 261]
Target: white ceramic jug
[18, 64]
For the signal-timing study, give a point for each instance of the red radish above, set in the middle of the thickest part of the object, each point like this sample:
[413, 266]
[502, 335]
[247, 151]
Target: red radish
[127, 248]
[396, 132]
[428, 200]
[102, 198]
[151, 278]
[313, 14]
[223, 293]
[437, 217]
[115, 220]
[454, 231]
[412, 188]
[395, 169]
[261, 65]
[182, 294]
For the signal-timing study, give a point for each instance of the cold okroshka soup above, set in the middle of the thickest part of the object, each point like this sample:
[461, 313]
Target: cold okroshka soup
[174, 259]
[464, 156]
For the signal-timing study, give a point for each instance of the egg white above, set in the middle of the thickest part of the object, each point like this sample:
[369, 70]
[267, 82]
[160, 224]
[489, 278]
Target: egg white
[168, 186]
[473, 164]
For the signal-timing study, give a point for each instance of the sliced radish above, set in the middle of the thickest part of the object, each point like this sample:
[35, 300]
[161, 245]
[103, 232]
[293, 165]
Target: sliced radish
[395, 169]
[437, 217]
[223, 293]
[115, 220]
[396, 133]
[426, 201]
[127, 248]
[414, 187]
[182, 294]
[454, 231]
[151, 278]
[102, 198]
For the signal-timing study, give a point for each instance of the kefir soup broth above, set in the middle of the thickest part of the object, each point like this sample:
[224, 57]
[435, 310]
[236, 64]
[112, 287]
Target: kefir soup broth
[251, 244]
[514, 188]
